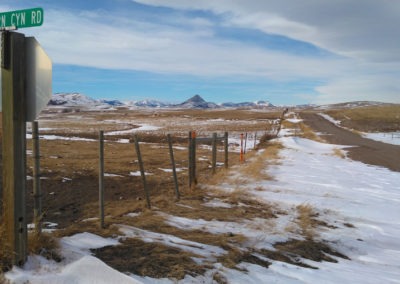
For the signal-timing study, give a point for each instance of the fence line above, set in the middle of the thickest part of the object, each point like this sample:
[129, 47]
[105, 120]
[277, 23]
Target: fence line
[192, 145]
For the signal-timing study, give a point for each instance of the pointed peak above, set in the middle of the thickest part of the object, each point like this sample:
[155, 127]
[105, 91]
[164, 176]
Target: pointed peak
[196, 99]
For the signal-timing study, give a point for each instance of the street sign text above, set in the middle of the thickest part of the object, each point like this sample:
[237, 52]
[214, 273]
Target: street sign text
[22, 18]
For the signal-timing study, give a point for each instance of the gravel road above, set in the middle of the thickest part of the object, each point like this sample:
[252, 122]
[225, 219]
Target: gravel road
[365, 150]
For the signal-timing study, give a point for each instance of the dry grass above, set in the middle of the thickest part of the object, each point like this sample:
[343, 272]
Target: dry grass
[302, 130]
[69, 202]
[150, 259]
[257, 162]
[308, 249]
[173, 121]
[236, 256]
[219, 278]
[43, 244]
[339, 153]
[307, 132]
[6, 252]
[369, 119]
[306, 221]
[93, 227]
[265, 138]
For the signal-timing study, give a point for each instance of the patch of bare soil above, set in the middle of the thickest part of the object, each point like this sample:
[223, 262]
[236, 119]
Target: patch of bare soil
[293, 251]
[150, 259]
[236, 256]
[365, 150]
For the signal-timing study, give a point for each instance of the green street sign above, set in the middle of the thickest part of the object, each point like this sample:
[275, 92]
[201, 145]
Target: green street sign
[22, 18]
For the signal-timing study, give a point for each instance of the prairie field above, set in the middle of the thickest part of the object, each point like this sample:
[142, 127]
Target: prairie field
[70, 154]
[222, 219]
[384, 118]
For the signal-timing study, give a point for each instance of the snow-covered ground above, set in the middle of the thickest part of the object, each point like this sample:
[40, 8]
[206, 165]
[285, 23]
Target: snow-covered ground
[330, 118]
[343, 191]
[362, 202]
[388, 137]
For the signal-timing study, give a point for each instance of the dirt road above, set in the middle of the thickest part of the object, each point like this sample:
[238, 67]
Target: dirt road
[364, 150]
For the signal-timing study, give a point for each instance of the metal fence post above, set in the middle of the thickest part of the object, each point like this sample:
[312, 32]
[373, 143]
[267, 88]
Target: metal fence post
[142, 172]
[101, 178]
[214, 153]
[190, 158]
[37, 193]
[194, 178]
[226, 149]
[171, 154]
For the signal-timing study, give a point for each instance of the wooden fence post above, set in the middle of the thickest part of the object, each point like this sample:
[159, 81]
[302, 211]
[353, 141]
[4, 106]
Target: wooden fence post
[226, 149]
[37, 193]
[101, 178]
[171, 154]
[142, 172]
[255, 140]
[214, 153]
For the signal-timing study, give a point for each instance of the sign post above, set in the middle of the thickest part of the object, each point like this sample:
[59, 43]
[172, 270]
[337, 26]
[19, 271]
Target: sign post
[14, 144]
[25, 80]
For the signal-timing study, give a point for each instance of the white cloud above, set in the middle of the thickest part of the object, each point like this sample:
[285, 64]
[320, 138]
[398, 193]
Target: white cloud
[360, 88]
[365, 32]
[153, 47]
[365, 29]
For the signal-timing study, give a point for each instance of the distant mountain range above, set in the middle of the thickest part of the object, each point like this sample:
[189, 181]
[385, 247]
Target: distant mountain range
[195, 102]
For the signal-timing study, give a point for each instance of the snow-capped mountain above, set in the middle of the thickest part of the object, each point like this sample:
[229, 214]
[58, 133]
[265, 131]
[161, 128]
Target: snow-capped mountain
[148, 103]
[112, 102]
[71, 99]
[195, 102]
[80, 100]
[256, 104]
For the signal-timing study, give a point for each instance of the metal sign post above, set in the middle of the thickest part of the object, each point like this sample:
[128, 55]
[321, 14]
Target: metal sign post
[14, 143]
[22, 100]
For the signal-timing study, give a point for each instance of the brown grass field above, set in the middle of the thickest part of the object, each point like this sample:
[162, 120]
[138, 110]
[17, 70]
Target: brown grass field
[369, 119]
[69, 170]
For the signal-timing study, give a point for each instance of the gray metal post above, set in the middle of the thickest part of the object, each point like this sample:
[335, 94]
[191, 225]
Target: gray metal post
[14, 143]
[245, 143]
[37, 193]
[214, 153]
[171, 154]
[194, 157]
[142, 172]
[226, 149]
[101, 178]
[190, 158]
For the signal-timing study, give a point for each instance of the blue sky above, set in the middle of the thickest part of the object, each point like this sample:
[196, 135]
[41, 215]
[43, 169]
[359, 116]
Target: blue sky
[286, 52]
